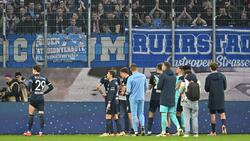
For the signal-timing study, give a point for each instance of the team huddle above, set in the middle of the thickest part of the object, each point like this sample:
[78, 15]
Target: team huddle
[175, 95]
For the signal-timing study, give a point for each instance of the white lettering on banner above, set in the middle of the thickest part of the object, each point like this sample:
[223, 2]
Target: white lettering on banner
[59, 56]
[203, 43]
[67, 49]
[189, 44]
[53, 41]
[222, 61]
[109, 47]
[39, 41]
[19, 56]
[192, 62]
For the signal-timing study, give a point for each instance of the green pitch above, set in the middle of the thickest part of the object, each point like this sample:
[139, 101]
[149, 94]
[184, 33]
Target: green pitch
[245, 137]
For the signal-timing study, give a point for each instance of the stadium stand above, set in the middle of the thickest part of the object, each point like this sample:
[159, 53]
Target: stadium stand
[112, 15]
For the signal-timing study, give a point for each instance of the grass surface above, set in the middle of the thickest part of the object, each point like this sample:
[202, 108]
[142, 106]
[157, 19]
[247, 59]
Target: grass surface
[238, 137]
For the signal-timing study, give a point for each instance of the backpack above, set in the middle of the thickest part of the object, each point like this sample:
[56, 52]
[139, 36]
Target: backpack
[193, 91]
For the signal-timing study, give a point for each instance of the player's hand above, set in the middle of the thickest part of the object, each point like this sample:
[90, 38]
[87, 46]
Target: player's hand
[104, 94]
[97, 88]
[122, 93]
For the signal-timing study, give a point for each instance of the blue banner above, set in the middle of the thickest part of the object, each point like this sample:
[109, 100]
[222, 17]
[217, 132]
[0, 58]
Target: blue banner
[192, 47]
[62, 47]
[20, 50]
[63, 50]
[149, 47]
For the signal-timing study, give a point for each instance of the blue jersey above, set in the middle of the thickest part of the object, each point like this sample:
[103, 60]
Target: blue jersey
[37, 85]
[136, 86]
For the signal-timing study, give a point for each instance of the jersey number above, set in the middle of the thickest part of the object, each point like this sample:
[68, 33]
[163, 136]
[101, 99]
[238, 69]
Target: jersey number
[40, 85]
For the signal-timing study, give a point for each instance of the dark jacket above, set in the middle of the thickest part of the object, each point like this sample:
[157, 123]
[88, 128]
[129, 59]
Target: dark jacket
[167, 82]
[13, 91]
[216, 84]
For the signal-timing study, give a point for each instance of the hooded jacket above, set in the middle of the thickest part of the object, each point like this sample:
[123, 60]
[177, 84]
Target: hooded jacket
[215, 85]
[167, 84]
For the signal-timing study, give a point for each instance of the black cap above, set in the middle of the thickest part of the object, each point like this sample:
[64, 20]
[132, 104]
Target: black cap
[18, 74]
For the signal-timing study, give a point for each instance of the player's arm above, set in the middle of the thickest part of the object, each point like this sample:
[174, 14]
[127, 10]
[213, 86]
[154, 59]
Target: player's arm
[224, 82]
[50, 87]
[98, 86]
[145, 84]
[160, 83]
[207, 84]
[101, 92]
[30, 84]
[128, 88]
[151, 82]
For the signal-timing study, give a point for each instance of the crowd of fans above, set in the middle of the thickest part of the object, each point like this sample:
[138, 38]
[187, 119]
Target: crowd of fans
[27, 16]
[111, 16]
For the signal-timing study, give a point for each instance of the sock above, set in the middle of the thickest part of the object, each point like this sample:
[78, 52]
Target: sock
[41, 117]
[213, 127]
[108, 125]
[132, 131]
[179, 119]
[182, 121]
[150, 122]
[175, 120]
[31, 118]
[118, 125]
[142, 129]
[163, 122]
[111, 127]
[223, 121]
[167, 129]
